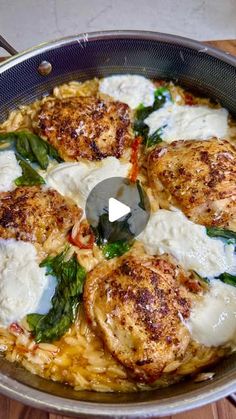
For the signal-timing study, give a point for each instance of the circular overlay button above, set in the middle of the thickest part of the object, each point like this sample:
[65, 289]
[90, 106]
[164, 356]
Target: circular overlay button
[117, 209]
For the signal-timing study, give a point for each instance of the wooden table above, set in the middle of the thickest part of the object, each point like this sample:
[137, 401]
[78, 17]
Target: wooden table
[10, 409]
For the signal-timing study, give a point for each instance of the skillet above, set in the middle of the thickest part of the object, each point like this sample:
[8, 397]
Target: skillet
[33, 73]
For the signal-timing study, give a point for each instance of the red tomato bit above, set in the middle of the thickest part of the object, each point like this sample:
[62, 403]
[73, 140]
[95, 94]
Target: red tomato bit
[189, 99]
[83, 236]
[15, 329]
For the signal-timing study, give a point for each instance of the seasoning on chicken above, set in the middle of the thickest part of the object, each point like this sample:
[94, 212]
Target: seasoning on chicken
[199, 178]
[36, 215]
[136, 304]
[86, 127]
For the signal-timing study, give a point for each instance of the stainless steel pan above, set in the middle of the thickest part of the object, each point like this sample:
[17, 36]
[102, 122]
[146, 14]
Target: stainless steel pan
[33, 73]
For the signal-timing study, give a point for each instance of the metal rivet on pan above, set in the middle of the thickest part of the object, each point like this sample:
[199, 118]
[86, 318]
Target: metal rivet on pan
[44, 68]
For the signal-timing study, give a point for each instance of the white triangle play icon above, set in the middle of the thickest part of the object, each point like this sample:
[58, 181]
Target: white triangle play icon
[117, 209]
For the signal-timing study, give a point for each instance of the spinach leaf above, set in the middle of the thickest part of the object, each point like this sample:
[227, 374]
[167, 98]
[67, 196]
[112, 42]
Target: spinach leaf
[220, 232]
[228, 278]
[70, 276]
[31, 147]
[53, 153]
[33, 320]
[29, 176]
[107, 232]
[161, 95]
[142, 112]
[111, 250]
[116, 238]
[142, 204]
[155, 138]
[7, 137]
[23, 147]
[140, 128]
[224, 277]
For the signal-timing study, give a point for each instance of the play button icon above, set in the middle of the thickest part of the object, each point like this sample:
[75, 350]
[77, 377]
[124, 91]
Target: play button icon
[117, 210]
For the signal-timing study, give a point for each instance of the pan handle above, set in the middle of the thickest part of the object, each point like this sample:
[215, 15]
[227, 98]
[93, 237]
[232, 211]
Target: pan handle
[5, 45]
[232, 399]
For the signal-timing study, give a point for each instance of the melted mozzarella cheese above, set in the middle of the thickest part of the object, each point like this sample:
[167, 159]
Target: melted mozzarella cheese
[188, 243]
[212, 320]
[76, 180]
[130, 89]
[188, 122]
[9, 170]
[24, 286]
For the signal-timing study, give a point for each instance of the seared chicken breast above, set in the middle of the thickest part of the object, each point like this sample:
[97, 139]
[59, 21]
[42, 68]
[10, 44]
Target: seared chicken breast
[136, 304]
[199, 177]
[86, 127]
[33, 214]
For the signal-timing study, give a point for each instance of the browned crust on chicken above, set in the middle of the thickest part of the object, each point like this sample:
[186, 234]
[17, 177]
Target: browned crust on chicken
[135, 303]
[197, 176]
[33, 214]
[86, 127]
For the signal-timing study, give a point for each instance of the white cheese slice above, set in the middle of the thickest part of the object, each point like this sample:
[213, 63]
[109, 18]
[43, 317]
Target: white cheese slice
[212, 320]
[24, 286]
[171, 232]
[9, 170]
[188, 122]
[76, 180]
[130, 89]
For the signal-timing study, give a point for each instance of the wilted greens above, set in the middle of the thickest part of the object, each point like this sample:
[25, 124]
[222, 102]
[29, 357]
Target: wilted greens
[31, 147]
[228, 279]
[161, 96]
[70, 279]
[107, 232]
[220, 232]
[111, 250]
[29, 176]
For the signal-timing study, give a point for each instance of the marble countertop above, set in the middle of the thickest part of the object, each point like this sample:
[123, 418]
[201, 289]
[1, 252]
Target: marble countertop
[26, 23]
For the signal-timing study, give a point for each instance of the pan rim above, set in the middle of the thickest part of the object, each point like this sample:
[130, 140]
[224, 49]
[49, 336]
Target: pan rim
[30, 396]
[85, 37]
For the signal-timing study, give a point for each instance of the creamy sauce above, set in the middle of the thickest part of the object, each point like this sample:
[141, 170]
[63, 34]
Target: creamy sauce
[76, 180]
[188, 122]
[130, 89]
[171, 232]
[213, 319]
[24, 286]
[9, 170]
